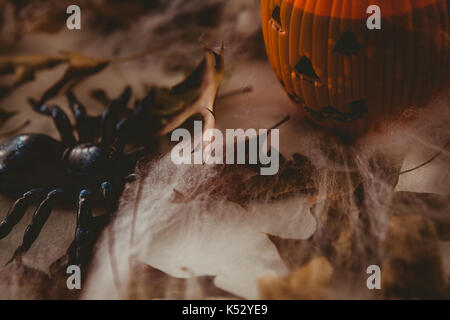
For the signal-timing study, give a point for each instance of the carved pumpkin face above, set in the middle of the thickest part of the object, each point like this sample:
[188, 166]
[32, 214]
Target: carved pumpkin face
[346, 77]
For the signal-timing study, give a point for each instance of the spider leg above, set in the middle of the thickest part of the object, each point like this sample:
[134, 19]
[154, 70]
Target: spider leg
[88, 226]
[107, 192]
[86, 126]
[60, 119]
[83, 234]
[18, 210]
[40, 217]
[131, 125]
[111, 114]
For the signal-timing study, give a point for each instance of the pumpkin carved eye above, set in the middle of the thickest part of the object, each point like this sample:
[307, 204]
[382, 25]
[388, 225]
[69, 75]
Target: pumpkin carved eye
[348, 44]
[275, 21]
[305, 68]
[276, 15]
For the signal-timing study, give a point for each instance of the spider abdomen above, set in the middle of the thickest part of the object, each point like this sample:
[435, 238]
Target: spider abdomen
[28, 161]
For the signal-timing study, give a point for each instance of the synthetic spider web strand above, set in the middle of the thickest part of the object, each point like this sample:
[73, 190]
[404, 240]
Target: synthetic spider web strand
[437, 155]
[140, 187]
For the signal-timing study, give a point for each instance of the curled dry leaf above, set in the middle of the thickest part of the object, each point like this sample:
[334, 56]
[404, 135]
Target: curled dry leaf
[80, 68]
[340, 208]
[50, 22]
[294, 252]
[24, 67]
[195, 95]
[310, 282]
[166, 109]
[432, 206]
[101, 96]
[19, 281]
[412, 266]
[242, 184]
[151, 283]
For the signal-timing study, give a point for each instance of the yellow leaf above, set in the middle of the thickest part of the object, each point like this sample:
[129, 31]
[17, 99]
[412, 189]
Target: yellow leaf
[309, 282]
[24, 67]
[205, 80]
[80, 68]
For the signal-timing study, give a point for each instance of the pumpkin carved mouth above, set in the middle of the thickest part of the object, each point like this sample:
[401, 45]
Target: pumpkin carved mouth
[358, 108]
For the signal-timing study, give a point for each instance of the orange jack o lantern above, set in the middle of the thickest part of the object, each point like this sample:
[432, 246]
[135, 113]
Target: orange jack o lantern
[348, 78]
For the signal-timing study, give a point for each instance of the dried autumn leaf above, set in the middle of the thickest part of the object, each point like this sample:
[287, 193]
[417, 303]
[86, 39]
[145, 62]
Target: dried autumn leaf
[335, 241]
[24, 67]
[412, 266]
[243, 184]
[294, 252]
[310, 282]
[166, 109]
[19, 281]
[101, 96]
[151, 283]
[195, 95]
[431, 206]
[50, 22]
[80, 68]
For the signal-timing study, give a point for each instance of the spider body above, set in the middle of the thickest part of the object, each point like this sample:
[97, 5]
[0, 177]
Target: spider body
[34, 160]
[27, 160]
[39, 169]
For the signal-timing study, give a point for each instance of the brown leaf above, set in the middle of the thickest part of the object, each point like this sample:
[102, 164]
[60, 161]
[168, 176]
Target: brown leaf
[195, 95]
[80, 68]
[309, 282]
[24, 68]
[151, 283]
[244, 183]
[18, 281]
[294, 253]
[101, 96]
[50, 22]
[431, 206]
[412, 266]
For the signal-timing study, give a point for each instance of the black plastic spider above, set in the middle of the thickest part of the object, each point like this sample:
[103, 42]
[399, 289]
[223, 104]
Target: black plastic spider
[43, 170]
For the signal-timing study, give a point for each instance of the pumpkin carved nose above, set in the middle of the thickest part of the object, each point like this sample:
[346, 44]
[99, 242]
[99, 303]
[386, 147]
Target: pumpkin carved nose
[348, 44]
